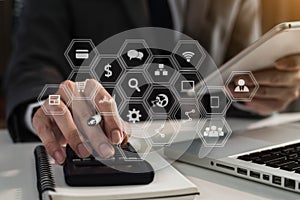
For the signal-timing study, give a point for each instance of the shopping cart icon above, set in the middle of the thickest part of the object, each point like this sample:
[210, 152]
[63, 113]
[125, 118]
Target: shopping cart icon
[80, 86]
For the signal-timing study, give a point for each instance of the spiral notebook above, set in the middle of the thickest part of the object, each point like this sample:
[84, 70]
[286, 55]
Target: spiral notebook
[168, 183]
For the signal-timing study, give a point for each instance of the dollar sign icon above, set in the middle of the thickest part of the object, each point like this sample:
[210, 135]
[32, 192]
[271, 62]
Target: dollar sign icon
[108, 71]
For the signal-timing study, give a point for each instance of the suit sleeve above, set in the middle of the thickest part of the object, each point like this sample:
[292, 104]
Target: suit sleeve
[247, 27]
[41, 38]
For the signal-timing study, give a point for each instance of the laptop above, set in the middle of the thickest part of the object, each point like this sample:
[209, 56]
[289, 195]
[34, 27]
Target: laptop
[268, 155]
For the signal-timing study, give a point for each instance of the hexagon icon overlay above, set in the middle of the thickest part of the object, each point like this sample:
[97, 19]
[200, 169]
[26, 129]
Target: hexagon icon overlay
[80, 78]
[214, 100]
[214, 132]
[188, 113]
[161, 131]
[81, 54]
[242, 86]
[134, 53]
[146, 108]
[134, 85]
[161, 70]
[108, 69]
[136, 113]
[161, 100]
[56, 104]
[189, 55]
[184, 85]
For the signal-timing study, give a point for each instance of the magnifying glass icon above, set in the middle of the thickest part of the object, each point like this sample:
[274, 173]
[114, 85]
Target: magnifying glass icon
[133, 83]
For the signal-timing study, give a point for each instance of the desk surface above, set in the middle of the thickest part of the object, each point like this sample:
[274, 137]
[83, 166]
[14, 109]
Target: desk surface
[212, 185]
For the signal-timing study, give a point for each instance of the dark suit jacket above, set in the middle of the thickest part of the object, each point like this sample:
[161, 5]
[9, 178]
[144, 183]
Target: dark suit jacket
[47, 27]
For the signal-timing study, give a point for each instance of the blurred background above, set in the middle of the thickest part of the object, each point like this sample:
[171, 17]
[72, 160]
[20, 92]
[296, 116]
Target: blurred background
[272, 13]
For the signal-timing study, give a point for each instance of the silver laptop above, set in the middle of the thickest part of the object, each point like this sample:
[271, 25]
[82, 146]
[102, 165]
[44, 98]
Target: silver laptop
[269, 155]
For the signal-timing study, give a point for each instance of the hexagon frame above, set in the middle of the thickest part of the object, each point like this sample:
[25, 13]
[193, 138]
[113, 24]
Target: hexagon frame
[41, 95]
[66, 54]
[197, 93]
[107, 56]
[134, 41]
[123, 107]
[176, 127]
[226, 96]
[224, 140]
[199, 47]
[82, 98]
[149, 106]
[200, 109]
[122, 78]
[169, 57]
[233, 73]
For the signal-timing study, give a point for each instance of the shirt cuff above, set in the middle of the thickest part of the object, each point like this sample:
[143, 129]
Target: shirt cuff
[29, 113]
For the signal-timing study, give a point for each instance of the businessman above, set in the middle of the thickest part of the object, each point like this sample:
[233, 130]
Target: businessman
[46, 28]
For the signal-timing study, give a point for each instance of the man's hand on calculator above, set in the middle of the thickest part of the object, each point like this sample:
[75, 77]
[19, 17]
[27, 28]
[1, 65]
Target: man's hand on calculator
[72, 127]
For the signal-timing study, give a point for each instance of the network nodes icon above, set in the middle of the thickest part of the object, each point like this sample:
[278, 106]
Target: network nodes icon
[161, 71]
[161, 101]
[188, 55]
[188, 115]
[54, 100]
[134, 115]
[159, 131]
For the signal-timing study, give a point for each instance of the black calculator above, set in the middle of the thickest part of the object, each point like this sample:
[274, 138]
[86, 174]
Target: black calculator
[125, 168]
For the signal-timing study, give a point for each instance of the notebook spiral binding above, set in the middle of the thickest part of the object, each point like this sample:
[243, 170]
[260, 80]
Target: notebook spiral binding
[45, 180]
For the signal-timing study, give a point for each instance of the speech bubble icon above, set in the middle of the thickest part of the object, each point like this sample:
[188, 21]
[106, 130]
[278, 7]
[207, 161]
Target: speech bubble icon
[132, 54]
[135, 54]
[140, 56]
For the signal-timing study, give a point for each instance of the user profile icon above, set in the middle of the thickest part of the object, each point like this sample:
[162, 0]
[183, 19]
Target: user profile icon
[241, 88]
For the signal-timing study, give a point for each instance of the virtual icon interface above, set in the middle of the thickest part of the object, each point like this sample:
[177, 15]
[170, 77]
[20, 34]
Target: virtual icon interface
[54, 100]
[82, 54]
[215, 102]
[188, 55]
[187, 86]
[161, 71]
[108, 72]
[161, 101]
[80, 86]
[134, 115]
[242, 88]
[213, 132]
[135, 54]
[133, 84]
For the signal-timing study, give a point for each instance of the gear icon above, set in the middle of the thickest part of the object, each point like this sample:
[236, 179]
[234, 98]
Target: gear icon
[134, 115]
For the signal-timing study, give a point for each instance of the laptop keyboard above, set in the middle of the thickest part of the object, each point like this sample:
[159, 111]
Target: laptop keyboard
[286, 158]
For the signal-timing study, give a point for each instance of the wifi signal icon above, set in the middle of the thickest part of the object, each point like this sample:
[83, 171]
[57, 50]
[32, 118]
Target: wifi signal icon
[188, 55]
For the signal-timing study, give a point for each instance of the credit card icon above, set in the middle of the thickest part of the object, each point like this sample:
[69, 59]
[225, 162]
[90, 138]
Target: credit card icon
[82, 54]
